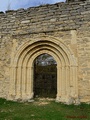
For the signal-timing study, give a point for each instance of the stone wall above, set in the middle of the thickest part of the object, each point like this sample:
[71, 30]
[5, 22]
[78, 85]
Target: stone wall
[69, 22]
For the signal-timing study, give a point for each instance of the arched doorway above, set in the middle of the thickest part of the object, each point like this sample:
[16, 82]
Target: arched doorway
[45, 76]
[22, 67]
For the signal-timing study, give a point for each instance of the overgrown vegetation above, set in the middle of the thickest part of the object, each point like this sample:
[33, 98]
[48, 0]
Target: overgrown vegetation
[42, 110]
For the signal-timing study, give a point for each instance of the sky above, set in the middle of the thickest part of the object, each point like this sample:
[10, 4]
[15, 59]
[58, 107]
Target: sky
[17, 4]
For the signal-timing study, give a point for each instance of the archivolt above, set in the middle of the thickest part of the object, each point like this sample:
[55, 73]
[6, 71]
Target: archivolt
[22, 68]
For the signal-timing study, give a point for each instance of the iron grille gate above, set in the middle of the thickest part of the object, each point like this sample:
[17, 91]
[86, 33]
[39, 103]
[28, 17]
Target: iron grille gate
[45, 81]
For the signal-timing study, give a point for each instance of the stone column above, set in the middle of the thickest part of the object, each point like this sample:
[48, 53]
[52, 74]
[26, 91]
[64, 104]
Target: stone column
[71, 81]
[18, 82]
[23, 83]
[63, 81]
[59, 83]
[29, 88]
[67, 80]
[67, 85]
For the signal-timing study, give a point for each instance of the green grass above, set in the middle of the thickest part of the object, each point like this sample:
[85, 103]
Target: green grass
[38, 111]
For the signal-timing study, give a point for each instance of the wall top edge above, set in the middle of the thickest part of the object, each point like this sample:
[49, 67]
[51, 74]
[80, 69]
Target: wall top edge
[58, 5]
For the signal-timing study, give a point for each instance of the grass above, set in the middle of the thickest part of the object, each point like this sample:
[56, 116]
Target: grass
[42, 110]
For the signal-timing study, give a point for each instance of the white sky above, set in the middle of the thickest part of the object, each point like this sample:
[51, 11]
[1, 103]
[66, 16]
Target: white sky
[16, 4]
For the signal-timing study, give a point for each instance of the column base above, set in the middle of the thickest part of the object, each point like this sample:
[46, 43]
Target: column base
[68, 100]
[27, 97]
[11, 96]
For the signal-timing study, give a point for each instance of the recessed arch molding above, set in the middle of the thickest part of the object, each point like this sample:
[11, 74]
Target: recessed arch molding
[21, 79]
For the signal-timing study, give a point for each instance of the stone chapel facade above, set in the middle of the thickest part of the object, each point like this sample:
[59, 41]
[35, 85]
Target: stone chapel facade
[61, 30]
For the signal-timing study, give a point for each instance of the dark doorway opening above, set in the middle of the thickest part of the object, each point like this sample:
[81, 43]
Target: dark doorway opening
[45, 76]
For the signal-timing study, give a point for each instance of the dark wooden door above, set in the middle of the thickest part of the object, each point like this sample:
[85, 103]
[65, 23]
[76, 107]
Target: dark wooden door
[45, 81]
